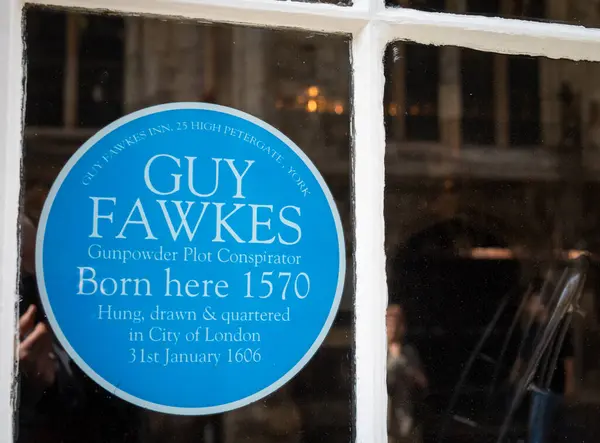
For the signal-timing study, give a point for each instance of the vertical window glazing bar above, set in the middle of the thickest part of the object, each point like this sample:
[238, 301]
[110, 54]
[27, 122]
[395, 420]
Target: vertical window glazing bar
[11, 94]
[371, 288]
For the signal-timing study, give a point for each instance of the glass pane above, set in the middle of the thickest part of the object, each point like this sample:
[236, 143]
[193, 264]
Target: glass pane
[579, 12]
[332, 2]
[492, 167]
[85, 71]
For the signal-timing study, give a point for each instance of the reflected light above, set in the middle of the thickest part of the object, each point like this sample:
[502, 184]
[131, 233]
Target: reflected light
[338, 109]
[508, 254]
[575, 254]
[313, 91]
[393, 109]
[491, 253]
[311, 106]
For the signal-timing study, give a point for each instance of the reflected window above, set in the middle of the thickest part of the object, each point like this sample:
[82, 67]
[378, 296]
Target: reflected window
[422, 76]
[46, 51]
[425, 5]
[101, 69]
[533, 9]
[524, 99]
[484, 7]
[477, 87]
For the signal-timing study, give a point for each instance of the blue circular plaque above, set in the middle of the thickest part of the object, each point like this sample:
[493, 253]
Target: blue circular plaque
[190, 258]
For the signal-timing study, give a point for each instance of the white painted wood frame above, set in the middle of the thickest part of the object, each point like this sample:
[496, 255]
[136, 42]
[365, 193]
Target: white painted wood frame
[372, 27]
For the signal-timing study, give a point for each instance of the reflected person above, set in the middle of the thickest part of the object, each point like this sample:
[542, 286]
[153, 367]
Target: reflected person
[406, 381]
[48, 393]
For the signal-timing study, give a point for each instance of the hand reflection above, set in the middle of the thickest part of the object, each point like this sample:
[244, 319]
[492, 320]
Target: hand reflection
[36, 356]
[395, 349]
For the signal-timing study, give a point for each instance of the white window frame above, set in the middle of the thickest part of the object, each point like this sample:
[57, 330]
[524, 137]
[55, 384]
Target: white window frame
[372, 27]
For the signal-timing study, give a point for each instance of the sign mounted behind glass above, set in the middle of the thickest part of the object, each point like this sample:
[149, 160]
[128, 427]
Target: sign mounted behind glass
[190, 258]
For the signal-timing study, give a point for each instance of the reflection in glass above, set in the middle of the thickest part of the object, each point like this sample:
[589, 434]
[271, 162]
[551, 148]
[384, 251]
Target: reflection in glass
[45, 42]
[482, 218]
[86, 70]
[101, 61]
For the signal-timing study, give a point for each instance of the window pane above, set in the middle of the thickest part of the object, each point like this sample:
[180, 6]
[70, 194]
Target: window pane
[485, 211]
[561, 11]
[297, 82]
